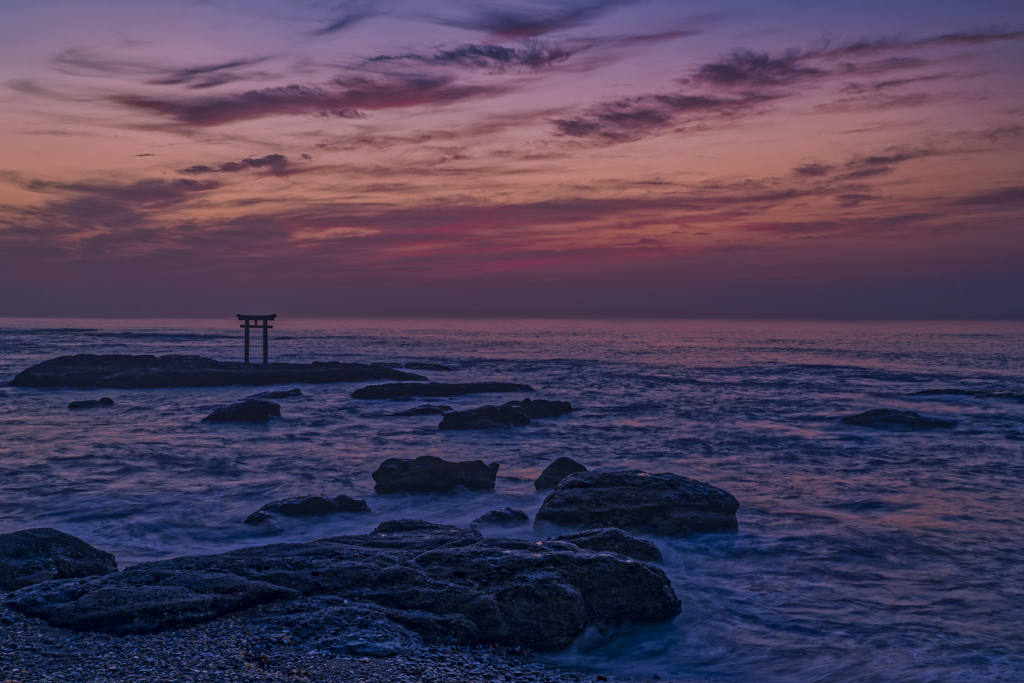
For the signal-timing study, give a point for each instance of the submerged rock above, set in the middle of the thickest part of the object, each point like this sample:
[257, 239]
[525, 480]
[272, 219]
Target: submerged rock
[249, 410]
[91, 403]
[883, 418]
[415, 582]
[35, 555]
[538, 407]
[307, 506]
[613, 540]
[975, 393]
[86, 371]
[506, 518]
[662, 504]
[485, 417]
[428, 366]
[428, 473]
[435, 389]
[285, 393]
[556, 472]
[386, 365]
[425, 410]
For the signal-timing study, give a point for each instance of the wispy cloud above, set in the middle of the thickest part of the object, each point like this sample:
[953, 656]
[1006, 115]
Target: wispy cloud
[532, 56]
[274, 164]
[79, 62]
[347, 14]
[531, 21]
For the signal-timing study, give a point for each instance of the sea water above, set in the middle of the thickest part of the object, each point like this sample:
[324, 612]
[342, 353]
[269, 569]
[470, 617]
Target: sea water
[862, 555]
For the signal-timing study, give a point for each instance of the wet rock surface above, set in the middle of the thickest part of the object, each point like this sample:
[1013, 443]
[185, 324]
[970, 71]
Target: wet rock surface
[34, 555]
[505, 518]
[432, 409]
[87, 371]
[975, 393]
[887, 418]
[430, 474]
[539, 407]
[284, 393]
[615, 541]
[435, 389]
[556, 472]
[307, 506]
[91, 403]
[249, 410]
[412, 581]
[484, 417]
[436, 367]
[660, 504]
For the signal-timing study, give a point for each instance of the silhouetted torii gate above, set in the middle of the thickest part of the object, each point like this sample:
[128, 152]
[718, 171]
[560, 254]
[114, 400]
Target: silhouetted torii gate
[254, 319]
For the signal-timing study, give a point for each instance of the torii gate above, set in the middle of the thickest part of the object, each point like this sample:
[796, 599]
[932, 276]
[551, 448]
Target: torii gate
[254, 319]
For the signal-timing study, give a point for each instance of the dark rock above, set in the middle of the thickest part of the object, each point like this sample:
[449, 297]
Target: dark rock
[105, 401]
[35, 555]
[307, 506]
[505, 518]
[484, 417]
[437, 367]
[413, 581]
[975, 393]
[286, 393]
[86, 371]
[431, 474]
[556, 472]
[662, 504]
[386, 365]
[614, 541]
[538, 408]
[249, 410]
[435, 389]
[886, 418]
[425, 410]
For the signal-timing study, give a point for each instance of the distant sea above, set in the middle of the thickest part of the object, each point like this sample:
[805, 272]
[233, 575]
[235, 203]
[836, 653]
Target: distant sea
[862, 555]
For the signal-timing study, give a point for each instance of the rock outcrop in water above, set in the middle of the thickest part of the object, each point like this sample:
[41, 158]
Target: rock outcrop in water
[307, 506]
[888, 418]
[415, 582]
[611, 540]
[556, 472]
[249, 410]
[284, 393]
[430, 474]
[117, 371]
[661, 504]
[539, 407]
[506, 518]
[435, 367]
[975, 393]
[484, 417]
[35, 555]
[435, 389]
[429, 409]
[91, 403]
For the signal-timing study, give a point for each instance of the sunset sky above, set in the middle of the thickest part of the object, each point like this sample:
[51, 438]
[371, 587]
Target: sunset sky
[573, 157]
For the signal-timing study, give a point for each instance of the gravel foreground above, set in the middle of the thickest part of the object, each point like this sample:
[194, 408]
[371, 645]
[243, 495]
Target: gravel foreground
[233, 649]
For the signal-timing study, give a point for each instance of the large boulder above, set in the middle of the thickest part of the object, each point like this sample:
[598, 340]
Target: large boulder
[484, 417]
[87, 371]
[611, 540]
[506, 518]
[435, 389]
[249, 410]
[889, 418]
[539, 407]
[428, 473]
[35, 555]
[91, 403]
[307, 506]
[283, 393]
[661, 504]
[556, 472]
[414, 582]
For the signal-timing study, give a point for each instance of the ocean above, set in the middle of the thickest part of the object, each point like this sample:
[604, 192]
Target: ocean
[862, 555]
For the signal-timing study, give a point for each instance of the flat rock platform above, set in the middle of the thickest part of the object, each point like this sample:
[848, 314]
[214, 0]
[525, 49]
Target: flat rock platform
[119, 371]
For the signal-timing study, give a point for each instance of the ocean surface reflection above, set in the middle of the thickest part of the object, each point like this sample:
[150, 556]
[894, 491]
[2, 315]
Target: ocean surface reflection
[862, 555]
